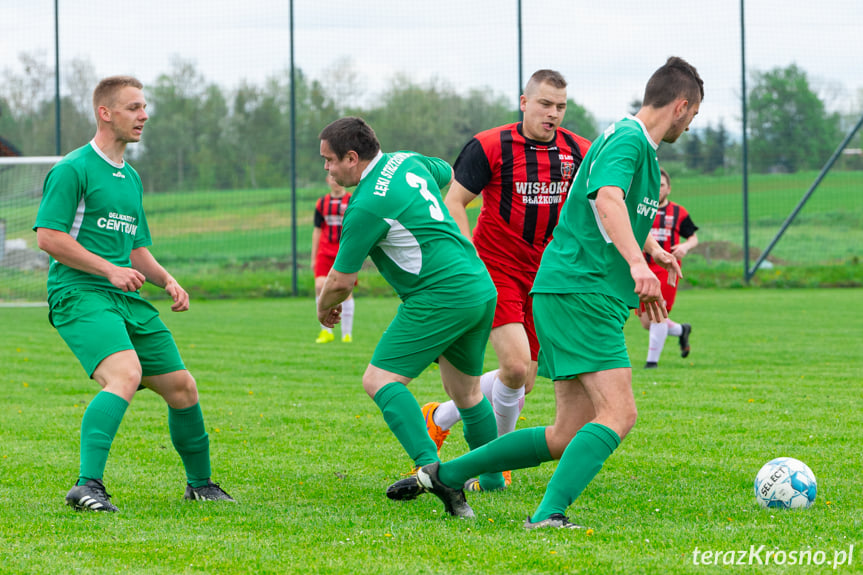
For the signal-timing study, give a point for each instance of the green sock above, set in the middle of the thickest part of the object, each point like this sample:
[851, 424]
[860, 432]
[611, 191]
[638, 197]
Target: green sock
[191, 441]
[405, 419]
[98, 427]
[480, 427]
[515, 450]
[581, 461]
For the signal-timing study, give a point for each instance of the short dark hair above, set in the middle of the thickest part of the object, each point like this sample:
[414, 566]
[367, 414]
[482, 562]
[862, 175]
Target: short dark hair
[106, 91]
[677, 78]
[551, 77]
[664, 174]
[351, 133]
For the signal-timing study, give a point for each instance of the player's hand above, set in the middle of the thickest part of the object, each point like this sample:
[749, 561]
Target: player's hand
[649, 291]
[671, 263]
[656, 311]
[126, 279]
[331, 316]
[178, 294]
[679, 251]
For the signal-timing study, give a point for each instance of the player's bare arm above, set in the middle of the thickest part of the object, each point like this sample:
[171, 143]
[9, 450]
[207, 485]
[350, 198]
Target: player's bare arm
[456, 201]
[680, 250]
[143, 261]
[337, 288]
[66, 250]
[615, 219]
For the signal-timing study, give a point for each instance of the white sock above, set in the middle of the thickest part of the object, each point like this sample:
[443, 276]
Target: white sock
[674, 329]
[507, 405]
[446, 415]
[347, 317]
[658, 334]
[486, 383]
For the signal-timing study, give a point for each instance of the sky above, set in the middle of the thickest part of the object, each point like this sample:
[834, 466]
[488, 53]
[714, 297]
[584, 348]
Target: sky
[606, 50]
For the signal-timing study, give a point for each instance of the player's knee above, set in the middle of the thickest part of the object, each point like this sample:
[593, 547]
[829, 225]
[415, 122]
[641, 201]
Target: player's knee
[181, 391]
[123, 382]
[131, 376]
[515, 373]
[372, 384]
[627, 418]
[187, 383]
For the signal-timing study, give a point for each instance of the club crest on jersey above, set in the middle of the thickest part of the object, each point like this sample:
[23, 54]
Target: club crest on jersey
[567, 170]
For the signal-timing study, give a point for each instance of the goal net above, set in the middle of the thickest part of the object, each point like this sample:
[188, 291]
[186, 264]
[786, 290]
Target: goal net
[23, 267]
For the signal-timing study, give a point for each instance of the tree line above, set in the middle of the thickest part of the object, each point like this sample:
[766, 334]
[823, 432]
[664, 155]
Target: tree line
[202, 136]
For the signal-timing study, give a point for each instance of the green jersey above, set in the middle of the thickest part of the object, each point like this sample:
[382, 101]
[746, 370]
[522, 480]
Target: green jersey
[581, 257]
[99, 203]
[397, 216]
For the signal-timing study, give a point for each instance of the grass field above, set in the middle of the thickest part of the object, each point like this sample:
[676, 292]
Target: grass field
[237, 243]
[245, 235]
[308, 456]
[241, 224]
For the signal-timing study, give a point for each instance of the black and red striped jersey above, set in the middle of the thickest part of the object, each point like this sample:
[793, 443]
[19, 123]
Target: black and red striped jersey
[523, 184]
[672, 223]
[329, 212]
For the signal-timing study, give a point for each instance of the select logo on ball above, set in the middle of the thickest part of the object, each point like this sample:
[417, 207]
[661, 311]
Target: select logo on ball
[785, 483]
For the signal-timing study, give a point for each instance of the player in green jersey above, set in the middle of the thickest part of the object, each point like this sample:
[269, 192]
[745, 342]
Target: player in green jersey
[592, 273]
[92, 224]
[398, 218]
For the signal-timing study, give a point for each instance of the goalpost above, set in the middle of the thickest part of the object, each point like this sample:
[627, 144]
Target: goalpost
[23, 267]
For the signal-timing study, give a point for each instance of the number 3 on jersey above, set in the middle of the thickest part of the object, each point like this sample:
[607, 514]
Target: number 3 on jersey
[415, 181]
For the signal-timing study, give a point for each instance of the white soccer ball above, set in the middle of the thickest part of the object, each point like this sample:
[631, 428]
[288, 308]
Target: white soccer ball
[785, 483]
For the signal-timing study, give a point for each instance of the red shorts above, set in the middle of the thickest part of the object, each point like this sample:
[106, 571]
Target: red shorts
[514, 304]
[668, 292]
[323, 264]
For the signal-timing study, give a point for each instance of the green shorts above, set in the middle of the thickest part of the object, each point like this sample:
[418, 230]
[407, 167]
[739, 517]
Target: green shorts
[98, 323]
[419, 335]
[579, 333]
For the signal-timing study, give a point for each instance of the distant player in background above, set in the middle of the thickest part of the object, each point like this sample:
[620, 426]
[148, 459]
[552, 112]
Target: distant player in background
[523, 172]
[672, 223]
[329, 211]
[91, 222]
[396, 217]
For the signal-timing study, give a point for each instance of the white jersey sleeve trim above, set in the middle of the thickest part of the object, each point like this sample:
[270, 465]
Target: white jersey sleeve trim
[79, 219]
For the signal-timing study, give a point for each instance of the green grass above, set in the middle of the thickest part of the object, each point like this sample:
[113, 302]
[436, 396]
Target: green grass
[829, 229]
[305, 451]
[237, 243]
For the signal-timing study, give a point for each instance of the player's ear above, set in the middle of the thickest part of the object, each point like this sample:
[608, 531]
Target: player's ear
[681, 106]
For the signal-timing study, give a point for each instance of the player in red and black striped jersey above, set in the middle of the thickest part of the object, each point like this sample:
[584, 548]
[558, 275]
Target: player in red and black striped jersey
[329, 211]
[523, 171]
[671, 224]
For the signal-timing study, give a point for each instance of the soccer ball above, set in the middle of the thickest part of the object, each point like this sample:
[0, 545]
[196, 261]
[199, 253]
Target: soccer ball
[785, 483]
